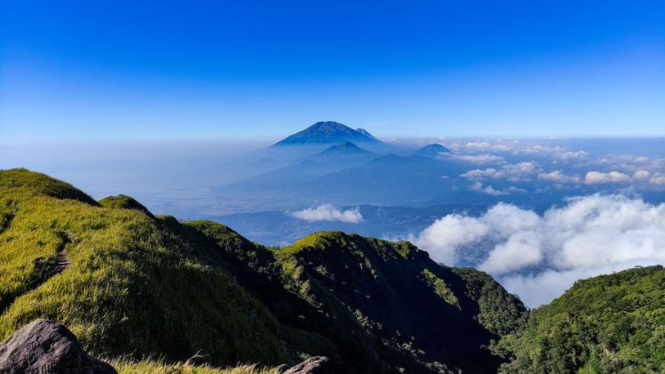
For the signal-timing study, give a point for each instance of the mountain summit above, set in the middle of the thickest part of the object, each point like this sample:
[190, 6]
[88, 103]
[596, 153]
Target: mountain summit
[328, 132]
[346, 151]
[431, 151]
[346, 148]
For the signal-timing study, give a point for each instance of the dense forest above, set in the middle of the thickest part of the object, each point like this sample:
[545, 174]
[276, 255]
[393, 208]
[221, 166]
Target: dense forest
[607, 324]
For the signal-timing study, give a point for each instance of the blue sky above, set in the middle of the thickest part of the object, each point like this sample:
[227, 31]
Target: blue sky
[82, 70]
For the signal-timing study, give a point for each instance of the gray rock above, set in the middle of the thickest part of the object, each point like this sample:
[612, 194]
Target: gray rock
[44, 347]
[282, 368]
[314, 365]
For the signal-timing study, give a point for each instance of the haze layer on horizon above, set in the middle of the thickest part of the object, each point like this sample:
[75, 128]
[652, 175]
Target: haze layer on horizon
[262, 69]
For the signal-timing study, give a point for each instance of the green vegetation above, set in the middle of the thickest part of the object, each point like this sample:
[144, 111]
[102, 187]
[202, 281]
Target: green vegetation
[498, 311]
[124, 202]
[607, 324]
[133, 285]
[32, 184]
[401, 310]
[160, 367]
[441, 288]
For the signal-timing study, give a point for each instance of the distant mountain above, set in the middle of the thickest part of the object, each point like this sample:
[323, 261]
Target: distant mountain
[346, 151]
[351, 179]
[297, 176]
[431, 151]
[366, 133]
[388, 179]
[346, 148]
[327, 132]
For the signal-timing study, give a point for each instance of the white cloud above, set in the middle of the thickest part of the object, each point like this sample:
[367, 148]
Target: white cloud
[446, 235]
[589, 235]
[613, 158]
[485, 145]
[514, 189]
[657, 178]
[520, 147]
[478, 159]
[327, 212]
[597, 177]
[641, 175]
[479, 174]
[571, 155]
[522, 249]
[488, 190]
[512, 172]
[559, 177]
[443, 237]
[540, 148]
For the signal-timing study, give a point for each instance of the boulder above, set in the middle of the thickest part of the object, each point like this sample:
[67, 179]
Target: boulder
[282, 368]
[44, 347]
[314, 365]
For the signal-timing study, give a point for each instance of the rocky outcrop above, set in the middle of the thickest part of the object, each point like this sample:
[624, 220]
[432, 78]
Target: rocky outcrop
[44, 347]
[314, 365]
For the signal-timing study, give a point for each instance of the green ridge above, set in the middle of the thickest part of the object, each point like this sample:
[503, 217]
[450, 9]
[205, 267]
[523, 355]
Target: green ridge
[140, 286]
[132, 287]
[608, 324]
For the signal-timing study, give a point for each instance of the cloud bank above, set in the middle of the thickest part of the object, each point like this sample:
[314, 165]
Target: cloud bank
[594, 177]
[327, 212]
[512, 172]
[539, 257]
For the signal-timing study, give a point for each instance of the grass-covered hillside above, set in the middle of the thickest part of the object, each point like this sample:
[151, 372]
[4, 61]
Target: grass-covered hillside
[128, 285]
[371, 305]
[131, 285]
[607, 324]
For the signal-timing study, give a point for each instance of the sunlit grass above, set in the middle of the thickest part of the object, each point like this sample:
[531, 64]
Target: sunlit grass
[134, 286]
[160, 367]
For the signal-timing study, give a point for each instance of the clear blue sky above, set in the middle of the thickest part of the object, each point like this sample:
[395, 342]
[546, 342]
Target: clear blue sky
[76, 70]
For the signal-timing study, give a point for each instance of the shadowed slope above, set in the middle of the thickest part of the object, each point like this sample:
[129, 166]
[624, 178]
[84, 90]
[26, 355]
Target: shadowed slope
[377, 305]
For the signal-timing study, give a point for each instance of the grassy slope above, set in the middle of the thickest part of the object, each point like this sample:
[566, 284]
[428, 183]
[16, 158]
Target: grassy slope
[150, 286]
[608, 324]
[133, 287]
[377, 304]
[161, 367]
[419, 314]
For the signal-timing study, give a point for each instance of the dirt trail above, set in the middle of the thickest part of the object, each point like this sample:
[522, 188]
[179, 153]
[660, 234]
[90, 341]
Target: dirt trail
[62, 262]
[44, 270]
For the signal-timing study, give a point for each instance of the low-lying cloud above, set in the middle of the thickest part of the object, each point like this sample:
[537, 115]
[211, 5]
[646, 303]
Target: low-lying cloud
[327, 212]
[595, 177]
[512, 172]
[558, 176]
[477, 159]
[539, 256]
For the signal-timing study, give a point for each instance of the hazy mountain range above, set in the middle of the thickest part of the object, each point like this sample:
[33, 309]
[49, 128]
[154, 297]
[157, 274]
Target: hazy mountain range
[470, 202]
